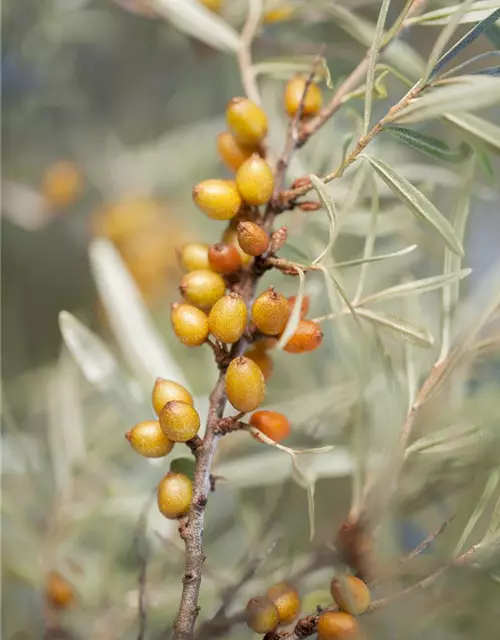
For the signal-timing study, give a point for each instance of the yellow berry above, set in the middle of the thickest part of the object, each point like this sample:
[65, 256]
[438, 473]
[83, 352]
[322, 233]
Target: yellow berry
[167, 390]
[194, 255]
[270, 312]
[232, 152]
[293, 95]
[245, 385]
[224, 258]
[212, 5]
[255, 180]
[190, 324]
[307, 337]
[262, 615]
[58, 592]
[179, 421]
[252, 238]
[247, 121]
[287, 601]
[263, 360]
[280, 14]
[351, 594]
[175, 493]
[228, 318]
[273, 425]
[336, 625]
[62, 184]
[202, 287]
[230, 236]
[218, 199]
[304, 307]
[148, 439]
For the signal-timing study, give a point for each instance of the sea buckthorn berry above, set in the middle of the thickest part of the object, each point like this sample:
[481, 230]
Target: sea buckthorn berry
[148, 439]
[224, 258]
[232, 152]
[307, 337]
[287, 601]
[179, 421]
[293, 96]
[252, 238]
[202, 287]
[255, 180]
[190, 324]
[230, 236]
[212, 5]
[266, 344]
[245, 385]
[272, 424]
[167, 390]
[218, 199]
[175, 493]
[279, 14]
[337, 625]
[58, 591]
[270, 312]
[263, 360]
[62, 183]
[304, 307]
[228, 318]
[194, 255]
[247, 121]
[351, 595]
[262, 615]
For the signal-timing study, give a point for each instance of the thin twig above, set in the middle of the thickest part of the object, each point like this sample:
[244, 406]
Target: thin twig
[245, 51]
[426, 542]
[142, 553]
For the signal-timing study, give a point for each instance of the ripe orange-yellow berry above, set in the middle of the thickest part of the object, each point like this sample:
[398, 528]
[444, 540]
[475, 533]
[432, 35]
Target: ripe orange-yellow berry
[62, 184]
[190, 324]
[202, 287]
[232, 152]
[245, 385]
[272, 424]
[351, 595]
[287, 601]
[230, 237]
[293, 95]
[247, 121]
[270, 312]
[263, 360]
[337, 625]
[167, 390]
[148, 439]
[228, 318]
[212, 5]
[218, 199]
[307, 337]
[179, 421]
[175, 493]
[58, 592]
[304, 307]
[193, 256]
[255, 180]
[262, 615]
[224, 258]
[252, 238]
[279, 14]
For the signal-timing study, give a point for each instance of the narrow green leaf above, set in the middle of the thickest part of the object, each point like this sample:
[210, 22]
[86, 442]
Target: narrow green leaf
[481, 129]
[448, 439]
[494, 525]
[428, 144]
[309, 485]
[417, 203]
[401, 328]
[329, 206]
[382, 256]
[294, 319]
[473, 60]
[371, 236]
[288, 65]
[478, 11]
[485, 163]
[493, 35]
[183, 465]
[488, 71]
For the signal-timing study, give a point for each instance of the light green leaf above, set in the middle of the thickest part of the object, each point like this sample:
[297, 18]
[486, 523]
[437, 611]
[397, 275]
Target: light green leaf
[478, 11]
[401, 329]
[494, 525]
[309, 484]
[445, 440]
[428, 144]
[417, 203]
[329, 207]
[294, 319]
[382, 256]
[284, 67]
[372, 62]
[481, 129]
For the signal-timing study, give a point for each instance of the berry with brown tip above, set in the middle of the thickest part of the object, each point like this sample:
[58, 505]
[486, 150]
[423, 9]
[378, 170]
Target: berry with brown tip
[232, 152]
[190, 324]
[272, 424]
[202, 287]
[179, 421]
[307, 337]
[255, 181]
[270, 312]
[247, 121]
[263, 360]
[148, 439]
[351, 594]
[167, 390]
[175, 492]
[218, 199]
[230, 237]
[252, 238]
[293, 96]
[304, 307]
[224, 258]
[286, 598]
[58, 591]
[228, 318]
[194, 256]
[337, 625]
[245, 384]
[262, 615]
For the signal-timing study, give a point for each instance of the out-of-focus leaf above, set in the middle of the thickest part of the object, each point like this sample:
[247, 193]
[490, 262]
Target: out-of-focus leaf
[382, 256]
[481, 129]
[478, 11]
[428, 144]
[329, 207]
[23, 206]
[285, 67]
[309, 484]
[493, 35]
[449, 438]
[372, 62]
[488, 71]
[399, 327]
[294, 318]
[473, 60]
[183, 465]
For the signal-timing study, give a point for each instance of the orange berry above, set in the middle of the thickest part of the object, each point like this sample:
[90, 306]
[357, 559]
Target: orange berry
[255, 180]
[228, 318]
[58, 591]
[270, 312]
[212, 5]
[62, 184]
[287, 601]
[175, 492]
[336, 625]
[190, 324]
[280, 14]
[247, 121]
[224, 258]
[179, 421]
[263, 360]
[351, 594]
[202, 287]
[167, 390]
[230, 236]
[218, 199]
[232, 152]
[304, 307]
[293, 95]
[148, 439]
[245, 385]
[194, 256]
[252, 238]
[262, 615]
[307, 337]
[272, 424]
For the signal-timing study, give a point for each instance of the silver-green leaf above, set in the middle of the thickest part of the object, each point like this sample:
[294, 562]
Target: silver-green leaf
[400, 328]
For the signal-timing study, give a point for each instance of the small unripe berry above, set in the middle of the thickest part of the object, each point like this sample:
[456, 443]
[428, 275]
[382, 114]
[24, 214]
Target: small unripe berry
[336, 625]
[202, 287]
[193, 256]
[218, 199]
[224, 258]
[58, 592]
[262, 615]
[175, 493]
[272, 424]
[230, 236]
[148, 439]
[252, 238]
[270, 312]
[232, 152]
[255, 180]
[228, 318]
[263, 360]
[287, 601]
[293, 95]
[179, 421]
[190, 324]
[62, 184]
[247, 121]
[304, 307]
[167, 390]
[307, 337]
[351, 595]
[245, 385]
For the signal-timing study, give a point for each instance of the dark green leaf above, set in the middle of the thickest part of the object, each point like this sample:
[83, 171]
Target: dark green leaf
[428, 144]
[488, 71]
[493, 35]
